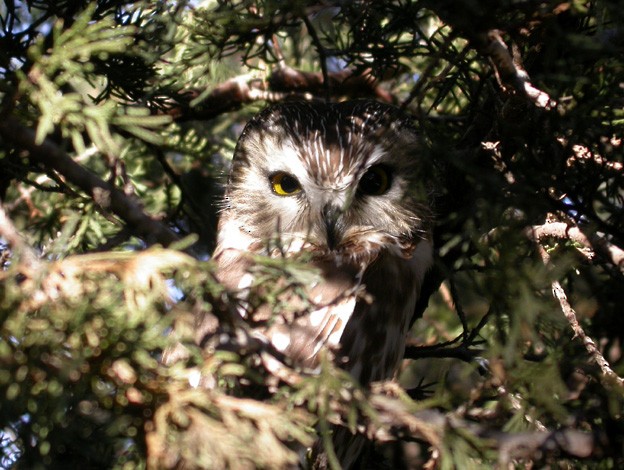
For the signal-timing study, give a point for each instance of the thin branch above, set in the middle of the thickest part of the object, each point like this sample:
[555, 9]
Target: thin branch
[421, 85]
[463, 352]
[509, 69]
[590, 346]
[120, 237]
[582, 155]
[432, 425]
[177, 180]
[458, 308]
[322, 55]
[105, 195]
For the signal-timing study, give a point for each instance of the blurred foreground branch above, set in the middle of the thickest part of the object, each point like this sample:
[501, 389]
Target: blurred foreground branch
[9, 232]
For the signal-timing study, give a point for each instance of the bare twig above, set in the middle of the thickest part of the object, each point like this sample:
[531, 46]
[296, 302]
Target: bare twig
[509, 70]
[105, 195]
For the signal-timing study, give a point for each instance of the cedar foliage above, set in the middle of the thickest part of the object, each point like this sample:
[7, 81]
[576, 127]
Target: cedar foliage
[117, 121]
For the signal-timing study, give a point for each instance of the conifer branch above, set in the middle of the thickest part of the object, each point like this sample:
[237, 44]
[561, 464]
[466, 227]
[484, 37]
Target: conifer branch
[582, 155]
[488, 41]
[395, 422]
[106, 196]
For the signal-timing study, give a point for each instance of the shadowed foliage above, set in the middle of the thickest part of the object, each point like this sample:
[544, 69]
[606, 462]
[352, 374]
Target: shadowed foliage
[118, 120]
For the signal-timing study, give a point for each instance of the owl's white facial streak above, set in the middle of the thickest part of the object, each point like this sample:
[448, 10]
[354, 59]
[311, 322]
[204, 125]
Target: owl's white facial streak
[342, 178]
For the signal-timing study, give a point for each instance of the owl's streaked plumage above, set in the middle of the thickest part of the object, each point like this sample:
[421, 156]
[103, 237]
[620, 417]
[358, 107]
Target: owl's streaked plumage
[347, 183]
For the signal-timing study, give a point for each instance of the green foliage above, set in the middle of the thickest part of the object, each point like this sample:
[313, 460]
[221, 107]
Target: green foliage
[121, 88]
[72, 368]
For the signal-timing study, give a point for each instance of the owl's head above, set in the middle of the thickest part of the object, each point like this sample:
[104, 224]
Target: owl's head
[343, 178]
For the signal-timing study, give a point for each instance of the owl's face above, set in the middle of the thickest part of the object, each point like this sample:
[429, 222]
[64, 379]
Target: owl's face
[342, 178]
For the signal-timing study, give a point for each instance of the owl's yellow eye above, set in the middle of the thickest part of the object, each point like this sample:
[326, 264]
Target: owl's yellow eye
[284, 184]
[375, 182]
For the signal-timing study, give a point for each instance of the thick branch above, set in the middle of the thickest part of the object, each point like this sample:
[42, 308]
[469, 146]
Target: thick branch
[343, 83]
[108, 197]
[591, 243]
[465, 18]
[224, 98]
[283, 82]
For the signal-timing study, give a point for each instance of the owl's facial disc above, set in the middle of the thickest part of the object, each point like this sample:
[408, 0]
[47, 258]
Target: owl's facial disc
[375, 181]
[344, 178]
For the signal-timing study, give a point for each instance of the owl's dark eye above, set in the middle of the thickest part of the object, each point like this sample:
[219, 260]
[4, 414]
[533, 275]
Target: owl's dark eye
[375, 182]
[284, 184]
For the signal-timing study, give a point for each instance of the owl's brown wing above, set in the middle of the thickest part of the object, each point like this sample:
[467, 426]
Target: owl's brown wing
[374, 339]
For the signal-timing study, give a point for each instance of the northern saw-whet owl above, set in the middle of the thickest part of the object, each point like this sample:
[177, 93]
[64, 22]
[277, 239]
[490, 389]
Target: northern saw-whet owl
[347, 184]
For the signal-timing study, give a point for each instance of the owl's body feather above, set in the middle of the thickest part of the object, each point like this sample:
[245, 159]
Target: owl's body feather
[345, 183]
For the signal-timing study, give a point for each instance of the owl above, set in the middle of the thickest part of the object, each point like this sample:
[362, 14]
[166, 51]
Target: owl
[348, 185]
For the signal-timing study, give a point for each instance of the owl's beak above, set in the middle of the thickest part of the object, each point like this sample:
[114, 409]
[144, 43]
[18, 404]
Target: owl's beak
[334, 226]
